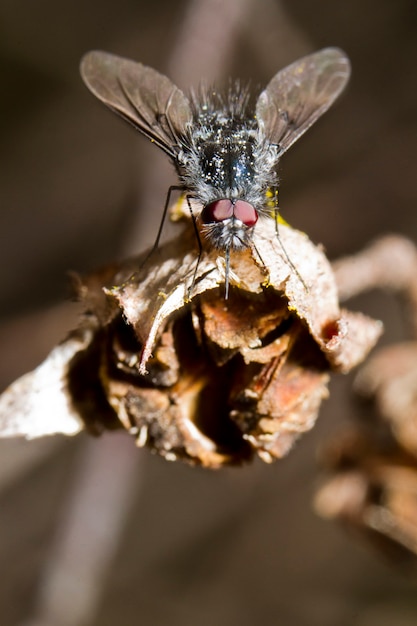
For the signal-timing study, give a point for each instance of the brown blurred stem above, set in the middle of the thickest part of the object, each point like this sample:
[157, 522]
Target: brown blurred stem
[390, 263]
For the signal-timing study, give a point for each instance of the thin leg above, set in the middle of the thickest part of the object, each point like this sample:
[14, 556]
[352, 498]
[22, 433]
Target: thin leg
[226, 280]
[258, 254]
[200, 247]
[161, 225]
[290, 263]
[159, 233]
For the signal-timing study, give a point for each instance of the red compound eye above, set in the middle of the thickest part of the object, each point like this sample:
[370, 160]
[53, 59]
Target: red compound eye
[245, 212]
[224, 209]
[217, 211]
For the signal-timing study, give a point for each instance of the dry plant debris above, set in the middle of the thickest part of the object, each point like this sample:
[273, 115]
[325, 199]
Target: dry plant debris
[373, 491]
[371, 485]
[162, 353]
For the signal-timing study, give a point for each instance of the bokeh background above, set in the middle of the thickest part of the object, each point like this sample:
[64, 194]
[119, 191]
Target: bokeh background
[96, 532]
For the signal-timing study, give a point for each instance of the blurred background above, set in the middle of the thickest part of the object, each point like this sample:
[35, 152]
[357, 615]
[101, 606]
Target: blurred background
[96, 532]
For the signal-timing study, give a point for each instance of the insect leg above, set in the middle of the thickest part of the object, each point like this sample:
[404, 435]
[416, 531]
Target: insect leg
[164, 214]
[264, 267]
[159, 233]
[161, 224]
[287, 258]
[227, 271]
[200, 247]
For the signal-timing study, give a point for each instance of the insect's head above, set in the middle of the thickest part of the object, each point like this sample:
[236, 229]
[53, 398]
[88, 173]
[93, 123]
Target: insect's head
[228, 222]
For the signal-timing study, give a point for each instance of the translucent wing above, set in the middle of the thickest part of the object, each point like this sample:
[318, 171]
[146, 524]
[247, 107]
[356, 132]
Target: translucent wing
[299, 94]
[142, 96]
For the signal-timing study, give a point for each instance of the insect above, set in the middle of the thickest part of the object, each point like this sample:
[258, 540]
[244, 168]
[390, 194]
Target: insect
[225, 152]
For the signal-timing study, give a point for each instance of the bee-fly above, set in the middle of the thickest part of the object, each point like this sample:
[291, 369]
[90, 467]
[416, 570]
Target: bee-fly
[225, 154]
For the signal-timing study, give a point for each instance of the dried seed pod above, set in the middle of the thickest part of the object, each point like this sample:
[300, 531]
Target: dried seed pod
[199, 378]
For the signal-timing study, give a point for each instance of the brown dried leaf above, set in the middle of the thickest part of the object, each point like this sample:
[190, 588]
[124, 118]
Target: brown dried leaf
[161, 288]
[208, 380]
[40, 403]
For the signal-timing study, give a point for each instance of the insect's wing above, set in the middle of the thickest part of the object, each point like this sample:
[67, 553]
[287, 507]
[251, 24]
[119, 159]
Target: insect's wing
[142, 96]
[299, 94]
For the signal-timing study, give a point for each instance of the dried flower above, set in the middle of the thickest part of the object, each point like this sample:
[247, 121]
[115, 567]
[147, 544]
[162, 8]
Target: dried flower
[192, 375]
